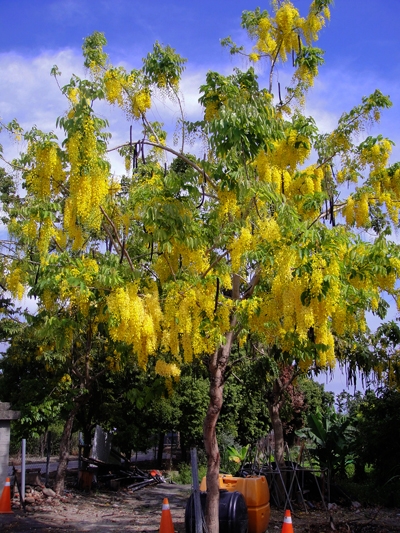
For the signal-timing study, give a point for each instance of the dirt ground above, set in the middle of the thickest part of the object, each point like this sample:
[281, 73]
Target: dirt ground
[107, 511]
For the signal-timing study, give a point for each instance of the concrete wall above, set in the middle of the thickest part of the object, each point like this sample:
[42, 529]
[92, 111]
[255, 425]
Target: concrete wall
[6, 415]
[4, 451]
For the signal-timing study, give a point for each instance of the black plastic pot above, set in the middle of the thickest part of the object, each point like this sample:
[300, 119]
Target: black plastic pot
[232, 512]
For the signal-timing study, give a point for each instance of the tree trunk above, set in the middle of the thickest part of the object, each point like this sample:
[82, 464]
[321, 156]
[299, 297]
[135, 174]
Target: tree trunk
[160, 449]
[217, 367]
[211, 447]
[278, 434]
[64, 452]
[274, 407]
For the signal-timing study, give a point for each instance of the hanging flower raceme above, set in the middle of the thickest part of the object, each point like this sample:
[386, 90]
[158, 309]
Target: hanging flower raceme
[135, 319]
[88, 181]
[15, 280]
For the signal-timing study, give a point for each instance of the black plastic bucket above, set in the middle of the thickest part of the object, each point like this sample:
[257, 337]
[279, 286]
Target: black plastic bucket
[233, 516]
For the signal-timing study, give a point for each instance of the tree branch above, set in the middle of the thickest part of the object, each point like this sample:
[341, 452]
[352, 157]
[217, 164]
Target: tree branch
[122, 248]
[177, 154]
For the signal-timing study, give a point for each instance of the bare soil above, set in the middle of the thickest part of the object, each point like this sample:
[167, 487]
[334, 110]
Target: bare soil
[121, 511]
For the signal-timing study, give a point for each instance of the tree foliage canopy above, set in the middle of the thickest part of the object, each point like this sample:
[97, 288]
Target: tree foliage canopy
[261, 237]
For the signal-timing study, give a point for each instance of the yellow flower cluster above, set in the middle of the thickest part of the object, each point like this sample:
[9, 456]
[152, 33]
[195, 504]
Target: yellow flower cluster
[128, 92]
[281, 315]
[88, 182]
[348, 211]
[191, 323]
[267, 230]
[116, 83]
[73, 95]
[49, 299]
[228, 204]
[305, 74]
[287, 19]
[14, 282]
[211, 110]
[279, 169]
[308, 181]
[386, 185]
[279, 34]
[313, 24]
[361, 211]
[292, 151]
[356, 210]
[47, 173]
[377, 155]
[387, 282]
[167, 370]
[46, 232]
[193, 261]
[278, 166]
[254, 57]
[140, 103]
[135, 319]
[113, 87]
[266, 42]
[29, 229]
[71, 294]
[238, 248]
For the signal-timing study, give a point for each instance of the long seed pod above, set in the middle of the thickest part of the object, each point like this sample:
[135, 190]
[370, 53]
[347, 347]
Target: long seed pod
[122, 252]
[203, 185]
[135, 156]
[203, 196]
[143, 158]
[216, 296]
[332, 211]
[37, 276]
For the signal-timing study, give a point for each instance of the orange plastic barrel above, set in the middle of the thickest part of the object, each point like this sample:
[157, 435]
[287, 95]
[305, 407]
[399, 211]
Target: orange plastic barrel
[256, 494]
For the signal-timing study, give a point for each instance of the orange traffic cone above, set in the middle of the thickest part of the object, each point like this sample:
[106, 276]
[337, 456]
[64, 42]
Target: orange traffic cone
[166, 525]
[5, 500]
[287, 523]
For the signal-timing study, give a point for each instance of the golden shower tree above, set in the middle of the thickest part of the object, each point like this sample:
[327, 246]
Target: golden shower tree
[173, 263]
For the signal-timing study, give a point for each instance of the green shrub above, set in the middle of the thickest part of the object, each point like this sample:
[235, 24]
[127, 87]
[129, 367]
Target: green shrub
[371, 493]
[184, 475]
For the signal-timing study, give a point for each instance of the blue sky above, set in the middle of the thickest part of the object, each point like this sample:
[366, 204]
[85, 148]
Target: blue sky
[361, 42]
[362, 45]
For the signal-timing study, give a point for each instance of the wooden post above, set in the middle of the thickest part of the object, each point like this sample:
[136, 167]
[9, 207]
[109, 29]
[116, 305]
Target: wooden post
[196, 492]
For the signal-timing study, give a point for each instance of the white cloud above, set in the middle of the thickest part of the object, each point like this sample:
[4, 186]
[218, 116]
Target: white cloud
[27, 90]
[337, 91]
[28, 93]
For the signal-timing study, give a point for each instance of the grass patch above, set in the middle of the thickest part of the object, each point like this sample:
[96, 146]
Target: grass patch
[184, 474]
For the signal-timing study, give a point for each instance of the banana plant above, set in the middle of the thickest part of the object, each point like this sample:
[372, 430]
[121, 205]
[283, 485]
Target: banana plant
[331, 436]
[237, 455]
